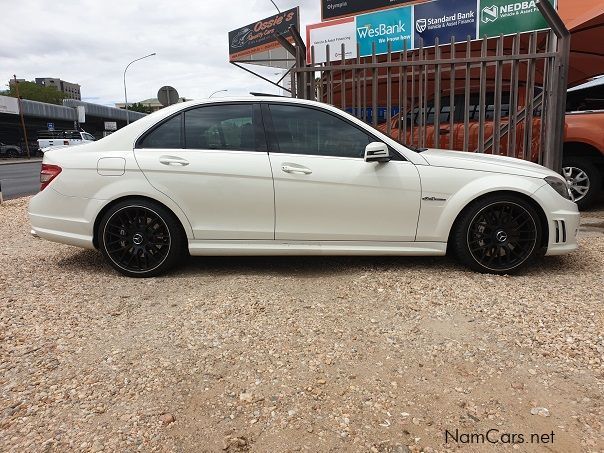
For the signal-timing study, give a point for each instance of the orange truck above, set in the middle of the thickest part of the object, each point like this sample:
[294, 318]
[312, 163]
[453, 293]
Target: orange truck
[583, 159]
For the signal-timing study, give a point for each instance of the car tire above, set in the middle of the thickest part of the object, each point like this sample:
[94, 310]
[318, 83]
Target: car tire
[584, 179]
[497, 234]
[140, 238]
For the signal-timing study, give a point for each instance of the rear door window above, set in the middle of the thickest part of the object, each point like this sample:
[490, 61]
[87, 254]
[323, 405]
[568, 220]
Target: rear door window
[168, 135]
[235, 127]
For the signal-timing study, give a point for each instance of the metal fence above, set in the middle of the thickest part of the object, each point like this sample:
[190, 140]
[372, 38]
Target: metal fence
[503, 95]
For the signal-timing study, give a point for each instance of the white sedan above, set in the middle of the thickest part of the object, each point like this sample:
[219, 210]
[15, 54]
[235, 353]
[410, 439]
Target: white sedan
[279, 176]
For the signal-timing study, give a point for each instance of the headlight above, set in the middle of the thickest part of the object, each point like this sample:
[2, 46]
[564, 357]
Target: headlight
[559, 185]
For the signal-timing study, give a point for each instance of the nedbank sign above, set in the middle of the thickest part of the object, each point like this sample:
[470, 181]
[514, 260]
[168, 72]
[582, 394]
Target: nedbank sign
[510, 17]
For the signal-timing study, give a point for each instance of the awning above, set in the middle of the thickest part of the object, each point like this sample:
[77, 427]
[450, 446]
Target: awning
[587, 50]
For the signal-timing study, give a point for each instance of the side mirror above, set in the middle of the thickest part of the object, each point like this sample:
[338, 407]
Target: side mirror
[377, 152]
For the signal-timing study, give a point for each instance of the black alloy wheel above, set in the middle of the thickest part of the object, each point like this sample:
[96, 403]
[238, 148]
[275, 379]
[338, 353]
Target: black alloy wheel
[497, 234]
[140, 239]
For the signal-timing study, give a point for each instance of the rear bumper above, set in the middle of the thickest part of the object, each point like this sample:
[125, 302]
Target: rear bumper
[563, 220]
[58, 218]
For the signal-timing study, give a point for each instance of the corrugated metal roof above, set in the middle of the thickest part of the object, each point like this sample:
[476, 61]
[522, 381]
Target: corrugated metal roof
[67, 111]
[103, 111]
[49, 111]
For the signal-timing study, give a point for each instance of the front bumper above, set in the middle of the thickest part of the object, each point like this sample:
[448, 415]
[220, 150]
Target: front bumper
[563, 220]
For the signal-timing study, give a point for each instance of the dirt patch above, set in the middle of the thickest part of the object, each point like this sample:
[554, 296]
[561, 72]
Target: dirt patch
[296, 354]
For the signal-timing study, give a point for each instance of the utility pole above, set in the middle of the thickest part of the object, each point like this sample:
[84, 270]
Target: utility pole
[21, 114]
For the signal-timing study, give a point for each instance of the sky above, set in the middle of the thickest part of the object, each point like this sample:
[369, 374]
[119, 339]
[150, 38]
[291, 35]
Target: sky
[90, 42]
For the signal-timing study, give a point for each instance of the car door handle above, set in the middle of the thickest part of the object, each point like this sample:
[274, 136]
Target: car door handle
[295, 169]
[173, 161]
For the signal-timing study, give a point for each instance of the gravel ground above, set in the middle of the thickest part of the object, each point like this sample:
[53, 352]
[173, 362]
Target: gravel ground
[297, 354]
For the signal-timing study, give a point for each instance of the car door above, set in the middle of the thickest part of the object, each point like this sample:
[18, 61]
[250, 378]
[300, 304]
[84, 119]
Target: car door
[324, 189]
[212, 161]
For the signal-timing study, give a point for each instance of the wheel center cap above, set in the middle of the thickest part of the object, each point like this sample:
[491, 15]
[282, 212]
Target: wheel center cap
[501, 236]
[137, 239]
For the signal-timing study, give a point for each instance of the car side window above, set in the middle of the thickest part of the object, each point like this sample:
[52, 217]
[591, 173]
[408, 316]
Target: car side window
[304, 130]
[224, 127]
[165, 136]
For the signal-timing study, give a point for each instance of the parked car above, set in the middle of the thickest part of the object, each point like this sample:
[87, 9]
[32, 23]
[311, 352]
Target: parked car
[583, 158]
[51, 139]
[9, 150]
[277, 176]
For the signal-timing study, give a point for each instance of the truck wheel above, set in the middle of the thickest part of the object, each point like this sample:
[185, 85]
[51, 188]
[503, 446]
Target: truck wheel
[584, 179]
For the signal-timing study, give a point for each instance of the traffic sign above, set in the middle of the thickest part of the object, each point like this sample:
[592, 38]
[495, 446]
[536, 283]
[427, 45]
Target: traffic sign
[167, 96]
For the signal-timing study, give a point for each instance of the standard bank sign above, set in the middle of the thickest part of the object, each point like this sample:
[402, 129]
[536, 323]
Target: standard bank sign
[445, 20]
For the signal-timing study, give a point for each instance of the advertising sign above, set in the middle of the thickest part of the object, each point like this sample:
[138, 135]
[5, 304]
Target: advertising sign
[437, 18]
[393, 25]
[260, 36]
[9, 105]
[334, 34]
[110, 126]
[333, 9]
[509, 17]
[445, 19]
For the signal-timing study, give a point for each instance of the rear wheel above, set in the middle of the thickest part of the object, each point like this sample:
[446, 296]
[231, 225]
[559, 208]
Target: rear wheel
[497, 234]
[583, 178]
[140, 238]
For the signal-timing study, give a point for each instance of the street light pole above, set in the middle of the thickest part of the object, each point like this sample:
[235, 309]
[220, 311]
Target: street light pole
[125, 91]
[216, 92]
[276, 6]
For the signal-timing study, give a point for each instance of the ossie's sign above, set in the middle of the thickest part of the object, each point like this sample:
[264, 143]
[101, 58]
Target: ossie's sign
[260, 36]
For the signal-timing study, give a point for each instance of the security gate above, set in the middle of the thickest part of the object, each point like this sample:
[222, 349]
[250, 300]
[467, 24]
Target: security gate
[503, 95]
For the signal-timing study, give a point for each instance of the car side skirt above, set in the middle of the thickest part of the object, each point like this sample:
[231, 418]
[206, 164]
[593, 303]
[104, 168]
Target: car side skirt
[331, 248]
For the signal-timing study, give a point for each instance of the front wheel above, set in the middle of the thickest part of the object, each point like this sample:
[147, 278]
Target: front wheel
[497, 234]
[140, 238]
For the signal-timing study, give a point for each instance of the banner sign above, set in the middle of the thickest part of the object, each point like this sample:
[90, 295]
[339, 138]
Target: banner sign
[260, 36]
[9, 105]
[438, 18]
[393, 25]
[445, 19]
[334, 34]
[333, 9]
[509, 17]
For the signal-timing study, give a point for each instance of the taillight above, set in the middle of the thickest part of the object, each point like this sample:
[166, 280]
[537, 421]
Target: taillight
[47, 174]
[65, 142]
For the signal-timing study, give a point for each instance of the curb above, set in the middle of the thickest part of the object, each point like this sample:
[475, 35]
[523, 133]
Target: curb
[20, 161]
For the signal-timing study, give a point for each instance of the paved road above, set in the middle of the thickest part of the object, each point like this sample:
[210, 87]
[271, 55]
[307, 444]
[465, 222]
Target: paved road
[20, 179]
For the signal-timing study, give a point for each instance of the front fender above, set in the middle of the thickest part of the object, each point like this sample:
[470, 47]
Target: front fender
[443, 202]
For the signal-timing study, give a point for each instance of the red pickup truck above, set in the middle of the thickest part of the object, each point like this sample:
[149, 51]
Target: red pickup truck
[583, 160]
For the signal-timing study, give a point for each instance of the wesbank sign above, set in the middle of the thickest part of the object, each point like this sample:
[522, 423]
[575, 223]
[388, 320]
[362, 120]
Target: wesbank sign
[394, 26]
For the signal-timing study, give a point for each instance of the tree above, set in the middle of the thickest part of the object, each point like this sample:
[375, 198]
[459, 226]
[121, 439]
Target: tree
[35, 92]
[138, 107]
